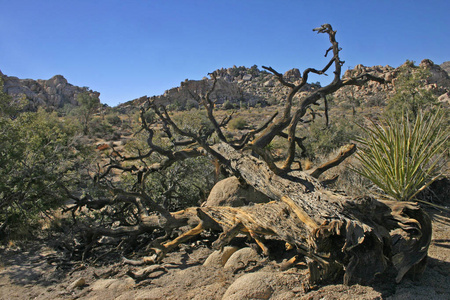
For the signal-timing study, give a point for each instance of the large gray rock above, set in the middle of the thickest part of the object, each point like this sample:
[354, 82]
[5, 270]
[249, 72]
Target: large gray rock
[293, 74]
[438, 82]
[269, 83]
[229, 192]
[242, 258]
[445, 66]
[438, 75]
[247, 77]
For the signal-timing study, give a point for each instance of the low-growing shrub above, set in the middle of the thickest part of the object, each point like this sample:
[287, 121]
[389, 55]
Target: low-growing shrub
[238, 123]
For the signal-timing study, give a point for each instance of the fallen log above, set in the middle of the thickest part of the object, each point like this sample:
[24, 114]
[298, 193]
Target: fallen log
[358, 238]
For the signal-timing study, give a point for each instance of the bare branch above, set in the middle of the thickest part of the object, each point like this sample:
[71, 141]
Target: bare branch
[362, 79]
[209, 106]
[345, 152]
[243, 141]
[279, 76]
[292, 121]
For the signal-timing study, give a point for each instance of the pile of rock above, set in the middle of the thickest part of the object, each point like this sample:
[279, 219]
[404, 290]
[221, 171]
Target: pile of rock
[53, 93]
[252, 86]
[438, 82]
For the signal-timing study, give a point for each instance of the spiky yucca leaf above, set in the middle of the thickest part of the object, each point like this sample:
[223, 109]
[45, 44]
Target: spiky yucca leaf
[403, 158]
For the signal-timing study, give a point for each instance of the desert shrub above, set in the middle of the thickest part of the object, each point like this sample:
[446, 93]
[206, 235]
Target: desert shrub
[272, 101]
[376, 100]
[411, 95]
[195, 121]
[100, 128]
[191, 105]
[88, 105]
[403, 158]
[187, 182]
[322, 139]
[227, 105]
[114, 119]
[238, 123]
[178, 186]
[39, 159]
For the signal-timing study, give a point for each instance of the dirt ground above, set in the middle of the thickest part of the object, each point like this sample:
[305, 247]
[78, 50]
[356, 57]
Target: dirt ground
[38, 271]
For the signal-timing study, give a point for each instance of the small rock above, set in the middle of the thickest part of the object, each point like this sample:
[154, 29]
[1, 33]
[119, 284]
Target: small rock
[269, 83]
[251, 286]
[444, 98]
[247, 77]
[242, 257]
[77, 283]
[219, 258]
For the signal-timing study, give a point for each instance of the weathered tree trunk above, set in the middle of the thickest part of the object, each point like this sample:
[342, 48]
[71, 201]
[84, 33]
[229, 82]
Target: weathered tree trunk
[358, 237]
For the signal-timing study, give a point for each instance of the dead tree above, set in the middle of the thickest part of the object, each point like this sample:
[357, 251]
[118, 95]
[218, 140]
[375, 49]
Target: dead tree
[342, 236]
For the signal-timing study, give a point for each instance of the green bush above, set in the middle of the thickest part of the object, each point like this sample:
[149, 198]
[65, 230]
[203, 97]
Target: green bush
[238, 123]
[403, 158]
[39, 159]
[114, 120]
[322, 140]
[195, 121]
[411, 95]
[88, 105]
[227, 105]
[99, 128]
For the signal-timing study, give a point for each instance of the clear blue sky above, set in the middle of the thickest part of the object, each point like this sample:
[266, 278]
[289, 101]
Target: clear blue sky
[127, 49]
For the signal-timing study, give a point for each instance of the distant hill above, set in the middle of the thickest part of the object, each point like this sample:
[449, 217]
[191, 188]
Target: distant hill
[53, 93]
[251, 86]
[238, 86]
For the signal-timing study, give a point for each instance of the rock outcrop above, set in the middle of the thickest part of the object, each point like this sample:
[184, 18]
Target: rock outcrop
[53, 93]
[376, 94]
[240, 86]
[251, 86]
[445, 66]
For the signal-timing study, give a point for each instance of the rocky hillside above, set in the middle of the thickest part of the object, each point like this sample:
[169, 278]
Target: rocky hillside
[53, 93]
[375, 94]
[237, 85]
[250, 86]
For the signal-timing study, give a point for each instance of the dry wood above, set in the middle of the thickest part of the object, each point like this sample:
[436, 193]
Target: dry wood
[357, 237]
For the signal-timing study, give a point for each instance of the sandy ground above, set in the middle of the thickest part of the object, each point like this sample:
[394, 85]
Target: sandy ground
[37, 271]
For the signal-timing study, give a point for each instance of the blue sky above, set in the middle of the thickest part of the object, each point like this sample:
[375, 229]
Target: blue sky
[127, 49]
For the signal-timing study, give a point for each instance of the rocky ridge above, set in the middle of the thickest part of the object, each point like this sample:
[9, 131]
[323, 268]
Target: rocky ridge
[376, 94]
[53, 93]
[239, 86]
[251, 86]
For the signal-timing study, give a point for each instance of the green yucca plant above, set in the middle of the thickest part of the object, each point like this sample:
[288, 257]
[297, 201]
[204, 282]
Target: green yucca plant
[403, 158]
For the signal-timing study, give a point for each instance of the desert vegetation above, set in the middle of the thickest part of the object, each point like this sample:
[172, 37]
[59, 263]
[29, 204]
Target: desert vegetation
[140, 178]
